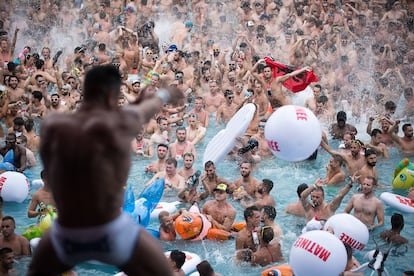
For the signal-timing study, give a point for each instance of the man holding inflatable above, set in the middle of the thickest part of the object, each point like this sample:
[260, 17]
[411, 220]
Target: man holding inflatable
[86, 157]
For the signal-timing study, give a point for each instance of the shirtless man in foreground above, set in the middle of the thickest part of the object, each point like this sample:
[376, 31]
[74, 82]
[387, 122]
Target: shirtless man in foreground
[366, 206]
[100, 170]
[317, 208]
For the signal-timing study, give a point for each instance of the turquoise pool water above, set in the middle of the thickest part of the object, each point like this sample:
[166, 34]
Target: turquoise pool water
[285, 175]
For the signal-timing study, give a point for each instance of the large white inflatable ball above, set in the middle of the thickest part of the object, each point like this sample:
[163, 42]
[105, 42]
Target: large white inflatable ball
[317, 253]
[349, 229]
[14, 186]
[293, 133]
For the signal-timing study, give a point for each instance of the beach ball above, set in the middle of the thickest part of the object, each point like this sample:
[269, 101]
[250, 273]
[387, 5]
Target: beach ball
[317, 253]
[349, 229]
[293, 133]
[14, 186]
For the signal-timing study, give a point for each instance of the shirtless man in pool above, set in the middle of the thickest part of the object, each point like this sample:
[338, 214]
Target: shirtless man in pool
[86, 158]
[317, 208]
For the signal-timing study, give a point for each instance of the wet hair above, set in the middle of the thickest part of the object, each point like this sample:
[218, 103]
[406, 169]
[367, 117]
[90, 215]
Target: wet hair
[18, 121]
[178, 257]
[397, 221]
[267, 234]
[100, 83]
[5, 250]
[208, 164]
[338, 158]
[390, 105]
[409, 273]
[375, 131]
[39, 63]
[23, 139]
[204, 269]
[405, 126]
[369, 151]
[268, 184]
[322, 99]
[29, 124]
[249, 211]
[348, 249]
[171, 160]
[301, 188]
[374, 180]
[9, 218]
[270, 211]
[162, 145]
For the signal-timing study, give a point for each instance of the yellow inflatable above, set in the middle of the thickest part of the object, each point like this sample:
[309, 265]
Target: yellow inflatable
[403, 175]
[45, 222]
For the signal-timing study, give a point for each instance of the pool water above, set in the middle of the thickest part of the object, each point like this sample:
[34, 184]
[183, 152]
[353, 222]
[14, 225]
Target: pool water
[285, 175]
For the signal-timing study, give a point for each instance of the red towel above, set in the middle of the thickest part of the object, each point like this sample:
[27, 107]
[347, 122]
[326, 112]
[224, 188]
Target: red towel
[296, 83]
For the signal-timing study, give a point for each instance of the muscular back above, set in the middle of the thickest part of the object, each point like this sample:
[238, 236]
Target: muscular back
[82, 153]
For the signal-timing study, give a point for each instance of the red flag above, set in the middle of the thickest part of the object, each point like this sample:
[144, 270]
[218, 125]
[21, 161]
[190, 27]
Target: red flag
[296, 83]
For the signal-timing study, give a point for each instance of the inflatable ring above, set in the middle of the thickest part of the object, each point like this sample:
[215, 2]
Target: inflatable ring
[401, 203]
[280, 270]
[191, 261]
[403, 175]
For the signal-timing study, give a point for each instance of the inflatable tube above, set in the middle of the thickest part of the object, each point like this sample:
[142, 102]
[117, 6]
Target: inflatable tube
[14, 187]
[317, 253]
[218, 234]
[293, 133]
[45, 222]
[280, 270]
[191, 261]
[403, 175]
[147, 201]
[192, 225]
[170, 207]
[238, 226]
[224, 141]
[401, 203]
[349, 229]
[312, 225]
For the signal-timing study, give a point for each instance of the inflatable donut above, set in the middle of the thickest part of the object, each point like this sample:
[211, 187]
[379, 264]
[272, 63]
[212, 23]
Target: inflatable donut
[403, 175]
[317, 253]
[280, 270]
[191, 261]
[349, 229]
[401, 203]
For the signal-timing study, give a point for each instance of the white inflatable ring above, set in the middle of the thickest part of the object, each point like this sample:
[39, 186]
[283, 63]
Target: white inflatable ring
[401, 203]
[191, 261]
[170, 207]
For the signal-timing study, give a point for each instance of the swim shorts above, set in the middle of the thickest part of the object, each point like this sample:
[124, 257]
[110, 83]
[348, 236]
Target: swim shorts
[112, 243]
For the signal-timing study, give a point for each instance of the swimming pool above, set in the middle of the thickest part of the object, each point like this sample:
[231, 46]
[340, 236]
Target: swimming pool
[285, 175]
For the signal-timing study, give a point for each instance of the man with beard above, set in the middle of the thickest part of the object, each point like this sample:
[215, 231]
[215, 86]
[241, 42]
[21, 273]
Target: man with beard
[14, 92]
[55, 104]
[6, 261]
[167, 230]
[227, 109]
[354, 158]
[406, 143]
[264, 197]
[246, 182]
[317, 208]
[159, 164]
[375, 143]
[199, 110]
[218, 211]
[338, 129]
[210, 180]
[181, 145]
[369, 168]
[366, 206]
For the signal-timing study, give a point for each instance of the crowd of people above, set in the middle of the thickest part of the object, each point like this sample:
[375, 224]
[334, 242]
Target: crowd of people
[204, 60]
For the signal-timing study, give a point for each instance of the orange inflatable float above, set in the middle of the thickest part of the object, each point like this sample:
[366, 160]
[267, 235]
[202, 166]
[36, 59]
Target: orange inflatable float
[195, 226]
[280, 270]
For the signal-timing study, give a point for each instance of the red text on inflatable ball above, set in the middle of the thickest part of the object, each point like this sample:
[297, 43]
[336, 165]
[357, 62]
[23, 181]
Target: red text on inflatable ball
[273, 145]
[301, 114]
[314, 248]
[2, 181]
[351, 242]
[402, 200]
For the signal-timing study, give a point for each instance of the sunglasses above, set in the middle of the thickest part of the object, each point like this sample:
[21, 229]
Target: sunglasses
[230, 97]
[261, 126]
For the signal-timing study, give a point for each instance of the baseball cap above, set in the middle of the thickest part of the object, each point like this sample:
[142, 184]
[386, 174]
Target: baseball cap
[136, 81]
[250, 23]
[221, 187]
